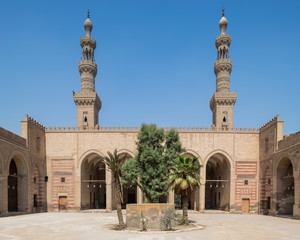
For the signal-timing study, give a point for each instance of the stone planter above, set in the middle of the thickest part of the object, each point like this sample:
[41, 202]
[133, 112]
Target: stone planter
[145, 216]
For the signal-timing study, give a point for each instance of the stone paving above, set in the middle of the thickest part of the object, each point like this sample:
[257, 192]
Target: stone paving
[92, 226]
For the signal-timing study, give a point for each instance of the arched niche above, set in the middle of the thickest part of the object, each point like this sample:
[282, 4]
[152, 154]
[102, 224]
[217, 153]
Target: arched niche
[285, 192]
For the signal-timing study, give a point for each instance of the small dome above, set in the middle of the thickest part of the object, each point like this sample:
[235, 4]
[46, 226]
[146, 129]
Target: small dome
[88, 26]
[223, 22]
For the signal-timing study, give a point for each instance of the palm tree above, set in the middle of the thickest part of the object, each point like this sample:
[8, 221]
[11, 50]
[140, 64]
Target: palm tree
[114, 164]
[183, 178]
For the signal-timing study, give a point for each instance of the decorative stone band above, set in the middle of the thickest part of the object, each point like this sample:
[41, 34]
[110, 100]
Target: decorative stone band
[137, 129]
[223, 65]
[221, 98]
[88, 84]
[223, 84]
[223, 40]
[88, 41]
[87, 98]
[88, 66]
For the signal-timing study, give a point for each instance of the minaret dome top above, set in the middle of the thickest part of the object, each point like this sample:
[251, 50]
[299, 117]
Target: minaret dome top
[223, 23]
[88, 26]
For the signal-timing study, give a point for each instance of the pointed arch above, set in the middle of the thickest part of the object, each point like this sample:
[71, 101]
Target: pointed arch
[195, 154]
[222, 152]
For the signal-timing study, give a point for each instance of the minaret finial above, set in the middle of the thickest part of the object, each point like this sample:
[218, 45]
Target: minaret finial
[88, 13]
[223, 9]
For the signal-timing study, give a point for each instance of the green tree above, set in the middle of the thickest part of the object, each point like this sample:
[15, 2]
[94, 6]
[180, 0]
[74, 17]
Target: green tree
[183, 177]
[173, 147]
[114, 164]
[152, 168]
[156, 150]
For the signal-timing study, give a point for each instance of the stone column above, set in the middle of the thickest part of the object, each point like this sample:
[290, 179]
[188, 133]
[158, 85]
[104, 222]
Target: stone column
[108, 190]
[3, 191]
[202, 196]
[296, 209]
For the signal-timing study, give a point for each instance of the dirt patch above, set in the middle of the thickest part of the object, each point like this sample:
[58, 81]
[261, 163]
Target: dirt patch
[177, 228]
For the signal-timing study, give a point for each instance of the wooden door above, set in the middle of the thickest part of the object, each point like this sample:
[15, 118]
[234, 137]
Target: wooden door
[63, 203]
[245, 205]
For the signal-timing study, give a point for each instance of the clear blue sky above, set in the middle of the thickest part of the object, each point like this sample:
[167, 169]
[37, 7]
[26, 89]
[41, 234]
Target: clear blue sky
[155, 61]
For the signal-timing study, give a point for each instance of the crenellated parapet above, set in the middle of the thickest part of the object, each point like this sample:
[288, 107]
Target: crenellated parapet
[136, 129]
[34, 122]
[269, 123]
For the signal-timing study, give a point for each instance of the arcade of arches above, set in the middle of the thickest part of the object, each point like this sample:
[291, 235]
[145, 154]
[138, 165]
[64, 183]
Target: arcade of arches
[96, 181]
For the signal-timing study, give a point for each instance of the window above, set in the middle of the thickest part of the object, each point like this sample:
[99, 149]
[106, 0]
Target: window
[34, 179]
[269, 181]
[266, 145]
[38, 143]
[63, 179]
[246, 182]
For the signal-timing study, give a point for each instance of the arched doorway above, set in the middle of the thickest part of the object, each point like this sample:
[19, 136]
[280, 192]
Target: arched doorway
[266, 189]
[285, 192]
[217, 187]
[93, 182]
[17, 185]
[129, 194]
[13, 187]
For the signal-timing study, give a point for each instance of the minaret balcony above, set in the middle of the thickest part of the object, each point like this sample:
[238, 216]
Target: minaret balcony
[223, 40]
[223, 65]
[87, 66]
[88, 41]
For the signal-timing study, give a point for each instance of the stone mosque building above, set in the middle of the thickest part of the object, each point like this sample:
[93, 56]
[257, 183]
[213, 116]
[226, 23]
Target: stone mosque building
[244, 169]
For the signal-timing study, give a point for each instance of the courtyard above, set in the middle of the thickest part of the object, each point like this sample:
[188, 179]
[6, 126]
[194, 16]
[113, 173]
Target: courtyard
[86, 225]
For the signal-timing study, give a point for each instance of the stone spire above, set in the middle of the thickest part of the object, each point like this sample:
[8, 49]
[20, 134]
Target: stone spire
[87, 100]
[223, 100]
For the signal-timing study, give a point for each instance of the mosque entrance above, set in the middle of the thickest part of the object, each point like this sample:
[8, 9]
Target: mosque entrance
[217, 187]
[13, 187]
[17, 186]
[93, 183]
[285, 192]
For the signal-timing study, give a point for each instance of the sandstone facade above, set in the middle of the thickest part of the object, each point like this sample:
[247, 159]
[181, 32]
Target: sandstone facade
[244, 170]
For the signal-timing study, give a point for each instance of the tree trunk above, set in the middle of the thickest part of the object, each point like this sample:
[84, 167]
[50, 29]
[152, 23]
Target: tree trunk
[118, 202]
[185, 204]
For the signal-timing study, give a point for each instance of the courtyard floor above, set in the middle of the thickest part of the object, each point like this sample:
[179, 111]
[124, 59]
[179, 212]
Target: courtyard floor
[92, 226]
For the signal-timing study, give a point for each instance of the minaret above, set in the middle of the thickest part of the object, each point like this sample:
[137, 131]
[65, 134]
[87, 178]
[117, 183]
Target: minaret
[223, 100]
[87, 100]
